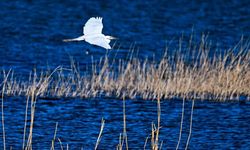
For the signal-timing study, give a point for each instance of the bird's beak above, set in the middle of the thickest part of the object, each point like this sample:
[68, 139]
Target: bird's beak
[111, 38]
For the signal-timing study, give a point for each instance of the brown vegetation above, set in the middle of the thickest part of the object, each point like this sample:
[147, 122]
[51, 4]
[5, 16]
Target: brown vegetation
[221, 77]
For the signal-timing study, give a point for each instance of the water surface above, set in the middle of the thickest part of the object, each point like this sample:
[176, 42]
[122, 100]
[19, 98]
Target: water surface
[215, 125]
[31, 37]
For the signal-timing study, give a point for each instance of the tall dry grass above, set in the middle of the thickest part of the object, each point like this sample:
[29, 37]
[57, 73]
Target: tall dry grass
[193, 73]
[223, 76]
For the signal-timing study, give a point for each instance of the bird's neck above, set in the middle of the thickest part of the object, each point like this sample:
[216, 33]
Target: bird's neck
[81, 38]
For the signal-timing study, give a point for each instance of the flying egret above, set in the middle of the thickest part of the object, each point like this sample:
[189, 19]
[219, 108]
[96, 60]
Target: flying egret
[92, 33]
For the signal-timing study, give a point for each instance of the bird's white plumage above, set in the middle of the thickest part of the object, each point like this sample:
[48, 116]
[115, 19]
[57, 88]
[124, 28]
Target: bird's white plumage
[93, 26]
[99, 40]
[92, 33]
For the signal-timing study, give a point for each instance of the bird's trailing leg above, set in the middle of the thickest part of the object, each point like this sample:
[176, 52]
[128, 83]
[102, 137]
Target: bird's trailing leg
[81, 38]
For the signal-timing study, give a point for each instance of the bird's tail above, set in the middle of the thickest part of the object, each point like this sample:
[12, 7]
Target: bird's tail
[81, 38]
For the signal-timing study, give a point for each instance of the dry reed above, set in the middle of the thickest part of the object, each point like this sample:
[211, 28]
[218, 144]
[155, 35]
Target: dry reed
[193, 75]
[100, 134]
[220, 77]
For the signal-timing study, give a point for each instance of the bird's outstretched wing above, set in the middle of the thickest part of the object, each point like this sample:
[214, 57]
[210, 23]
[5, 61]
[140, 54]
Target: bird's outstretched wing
[99, 41]
[93, 26]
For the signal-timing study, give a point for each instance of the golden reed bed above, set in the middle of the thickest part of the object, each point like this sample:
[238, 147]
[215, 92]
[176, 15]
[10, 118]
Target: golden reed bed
[218, 77]
[224, 76]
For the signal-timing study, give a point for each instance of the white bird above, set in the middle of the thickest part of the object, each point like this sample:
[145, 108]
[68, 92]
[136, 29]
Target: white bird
[92, 33]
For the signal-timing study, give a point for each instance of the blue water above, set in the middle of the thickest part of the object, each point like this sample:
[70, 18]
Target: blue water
[215, 125]
[31, 37]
